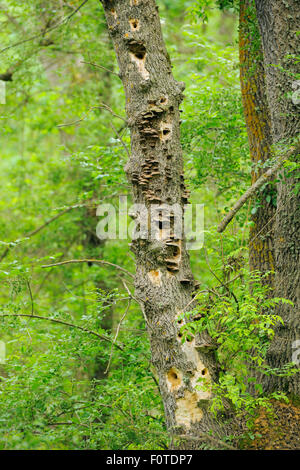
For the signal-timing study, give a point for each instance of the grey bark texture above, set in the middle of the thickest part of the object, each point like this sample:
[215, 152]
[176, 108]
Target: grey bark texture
[164, 282]
[279, 22]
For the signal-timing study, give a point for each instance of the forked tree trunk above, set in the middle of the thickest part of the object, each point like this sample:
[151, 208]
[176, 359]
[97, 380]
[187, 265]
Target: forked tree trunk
[279, 22]
[256, 111]
[164, 281]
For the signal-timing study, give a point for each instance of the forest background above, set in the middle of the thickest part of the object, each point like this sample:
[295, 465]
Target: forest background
[76, 368]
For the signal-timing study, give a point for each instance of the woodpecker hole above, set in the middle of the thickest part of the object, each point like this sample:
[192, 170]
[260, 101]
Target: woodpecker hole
[134, 24]
[166, 130]
[114, 13]
[174, 379]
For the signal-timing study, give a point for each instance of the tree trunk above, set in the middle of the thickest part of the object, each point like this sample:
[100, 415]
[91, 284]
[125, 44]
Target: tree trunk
[256, 111]
[279, 21]
[164, 281]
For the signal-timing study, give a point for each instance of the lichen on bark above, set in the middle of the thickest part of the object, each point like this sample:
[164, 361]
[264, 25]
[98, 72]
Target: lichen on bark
[279, 23]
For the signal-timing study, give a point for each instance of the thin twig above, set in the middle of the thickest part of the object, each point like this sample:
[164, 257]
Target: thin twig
[270, 220]
[43, 33]
[101, 67]
[48, 274]
[120, 139]
[116, 337]
[139, 302]
[105, 106]
[41, 227]
[31, 297]
[129, 293]
[55, 320]
[102, 106]
[219, 280]
[96, 261]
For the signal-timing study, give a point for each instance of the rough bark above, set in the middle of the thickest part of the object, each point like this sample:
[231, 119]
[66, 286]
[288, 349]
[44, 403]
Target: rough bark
[256, 111]
[164, 281]
[278, 22]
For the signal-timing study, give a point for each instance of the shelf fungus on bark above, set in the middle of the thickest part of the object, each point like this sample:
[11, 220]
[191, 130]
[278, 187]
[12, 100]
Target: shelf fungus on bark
[174, 259]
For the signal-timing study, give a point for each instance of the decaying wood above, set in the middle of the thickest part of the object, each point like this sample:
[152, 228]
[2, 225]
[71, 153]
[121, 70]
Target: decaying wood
[164, 282]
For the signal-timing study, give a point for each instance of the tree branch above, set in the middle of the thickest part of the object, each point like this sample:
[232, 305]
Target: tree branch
[41, 227]
[61, 322]
[116, 337]
[250, 191]
[59, 23]
[102, 106]
[101, 67]
[96, 261]
[120, 139]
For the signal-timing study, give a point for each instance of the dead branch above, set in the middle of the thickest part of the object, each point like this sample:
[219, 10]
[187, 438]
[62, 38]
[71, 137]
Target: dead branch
[250, 191]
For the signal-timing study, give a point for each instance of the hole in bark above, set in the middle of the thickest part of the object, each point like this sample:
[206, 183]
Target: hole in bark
[176, 250]
[171, 108]
[174, 378]
[163, 100]
[138, 49]
[114, 13]
[138, 55]
[134, 24]
[166, 131]
[204, 371]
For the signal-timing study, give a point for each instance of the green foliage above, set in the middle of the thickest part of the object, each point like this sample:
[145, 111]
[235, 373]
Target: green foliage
[61, 157]
[202, 9]
[50, 397]
[239, 315]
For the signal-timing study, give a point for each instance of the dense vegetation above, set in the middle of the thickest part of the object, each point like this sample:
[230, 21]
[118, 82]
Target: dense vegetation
[77, 370]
